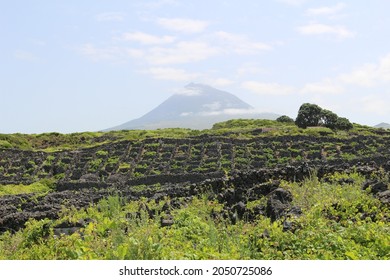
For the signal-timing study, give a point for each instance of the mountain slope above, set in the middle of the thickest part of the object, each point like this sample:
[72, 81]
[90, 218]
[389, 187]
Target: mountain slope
[383, 125]
[197, 106]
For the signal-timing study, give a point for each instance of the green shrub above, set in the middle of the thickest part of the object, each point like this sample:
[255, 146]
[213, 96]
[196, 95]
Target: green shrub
[5, 144]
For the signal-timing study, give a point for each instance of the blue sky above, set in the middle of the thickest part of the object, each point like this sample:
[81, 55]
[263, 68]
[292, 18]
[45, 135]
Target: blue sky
[72, 66]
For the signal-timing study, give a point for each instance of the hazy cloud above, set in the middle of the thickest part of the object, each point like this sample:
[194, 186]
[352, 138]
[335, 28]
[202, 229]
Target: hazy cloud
[183, 25]
[231, 111]
[249, 69]
[327, 86]
[369, 75]
[112, 54]
[221, 82]
[326, 11]
[171, 74]
[26, 56]
[98, 54]
[182, 52]
[147, 39]
[159, 3]
[212, 106]
[292, 2]
[267, 88]
[186, 114]
[188, 91]
[321, 29]
[111, 16]
[375, 104]
[240, 44]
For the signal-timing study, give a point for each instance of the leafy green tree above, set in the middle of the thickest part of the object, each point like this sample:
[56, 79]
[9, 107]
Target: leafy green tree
[308, 115]
[314, 115]
[328, 119]
[285, 119]
[343, 124]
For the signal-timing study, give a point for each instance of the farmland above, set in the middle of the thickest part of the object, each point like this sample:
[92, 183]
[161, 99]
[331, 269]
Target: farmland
[243, 190]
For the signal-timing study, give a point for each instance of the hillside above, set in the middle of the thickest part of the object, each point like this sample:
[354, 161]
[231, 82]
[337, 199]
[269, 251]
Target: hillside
[255, 189]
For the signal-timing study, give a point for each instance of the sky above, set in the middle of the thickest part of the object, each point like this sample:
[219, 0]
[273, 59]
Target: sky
[73, 66]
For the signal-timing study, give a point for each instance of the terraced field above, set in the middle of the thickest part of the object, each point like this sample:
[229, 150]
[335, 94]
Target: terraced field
[234, 170]
[129, 160]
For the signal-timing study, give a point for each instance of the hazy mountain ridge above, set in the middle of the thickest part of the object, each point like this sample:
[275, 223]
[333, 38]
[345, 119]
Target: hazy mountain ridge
[383, 125]
[196, 106]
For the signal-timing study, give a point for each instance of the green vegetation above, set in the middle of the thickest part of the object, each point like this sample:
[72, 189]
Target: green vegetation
[338, 222]
[51, 142]
[239, 128]
[101, 153]
[42, 186]
[285, 119]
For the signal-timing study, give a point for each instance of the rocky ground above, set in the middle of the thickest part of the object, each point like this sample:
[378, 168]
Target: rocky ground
[234, 191]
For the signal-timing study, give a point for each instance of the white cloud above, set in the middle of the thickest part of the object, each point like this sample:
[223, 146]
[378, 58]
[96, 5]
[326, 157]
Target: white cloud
[183, 25]
[159, 3]
[221, 82]
[375, 104]
[133, 53]
[182, 52]
[26, 56]
[185, 114]
[111, 16]
[97, 54]
[292, 2]
[249, 69]
[326, 11]
[369, 75]
[384, 68]
[38, 42]
[147, 39]
[365, 76]
[230, 111]
[212, 106]
[321, 29]
[327, 86]
[267, 88]
[171, 74]
[179, 53]
[113, 54]
[188, 91]
[240, 44]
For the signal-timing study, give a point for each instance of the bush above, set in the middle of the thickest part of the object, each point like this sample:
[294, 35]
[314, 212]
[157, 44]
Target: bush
[5, 144]
[343, 124]
[285, 119]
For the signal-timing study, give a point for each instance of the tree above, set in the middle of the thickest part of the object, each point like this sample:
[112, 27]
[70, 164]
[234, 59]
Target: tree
[328, 119]
[343, 124]
[308, 115]
[314, 115]
[285, 119]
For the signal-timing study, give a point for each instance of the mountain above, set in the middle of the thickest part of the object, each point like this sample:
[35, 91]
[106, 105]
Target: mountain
[383, 125]
[196, 106]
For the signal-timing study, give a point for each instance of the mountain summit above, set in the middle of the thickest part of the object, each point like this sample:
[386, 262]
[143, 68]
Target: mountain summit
[383, 125]
[196, 106]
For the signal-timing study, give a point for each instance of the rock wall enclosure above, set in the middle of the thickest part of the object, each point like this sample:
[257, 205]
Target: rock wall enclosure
[234, 170]
[129, 160]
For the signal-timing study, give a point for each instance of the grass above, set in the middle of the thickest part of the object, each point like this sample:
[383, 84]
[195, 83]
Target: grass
[42, 186]
[332, 227]
[241, 128]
